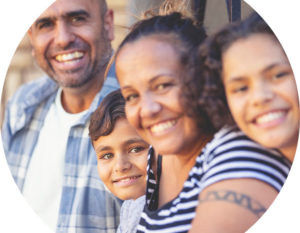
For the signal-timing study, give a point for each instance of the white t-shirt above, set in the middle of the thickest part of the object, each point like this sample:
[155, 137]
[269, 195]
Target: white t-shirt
[130, 215]
[44, 179]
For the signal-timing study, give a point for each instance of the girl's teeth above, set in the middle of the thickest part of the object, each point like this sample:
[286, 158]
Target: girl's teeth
[269, 117]
[163, 126]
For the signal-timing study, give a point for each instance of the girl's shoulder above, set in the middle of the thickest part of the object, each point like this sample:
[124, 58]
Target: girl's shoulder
[231, 155]
[232, 141]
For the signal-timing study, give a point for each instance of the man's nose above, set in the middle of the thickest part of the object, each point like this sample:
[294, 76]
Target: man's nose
[63, 35]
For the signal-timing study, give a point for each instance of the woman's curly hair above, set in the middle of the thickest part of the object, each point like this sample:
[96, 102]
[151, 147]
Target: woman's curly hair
[185, 36]
[204, 90]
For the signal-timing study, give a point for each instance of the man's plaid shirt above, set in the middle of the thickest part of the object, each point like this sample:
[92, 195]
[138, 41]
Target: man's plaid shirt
[86, 205]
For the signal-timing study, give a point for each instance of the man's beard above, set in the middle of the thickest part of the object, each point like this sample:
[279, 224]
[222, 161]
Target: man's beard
[97, 69]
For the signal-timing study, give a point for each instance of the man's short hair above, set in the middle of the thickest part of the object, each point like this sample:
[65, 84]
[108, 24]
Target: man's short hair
[103, 7]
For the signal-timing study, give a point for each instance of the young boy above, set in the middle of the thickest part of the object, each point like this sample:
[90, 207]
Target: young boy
[122, 157]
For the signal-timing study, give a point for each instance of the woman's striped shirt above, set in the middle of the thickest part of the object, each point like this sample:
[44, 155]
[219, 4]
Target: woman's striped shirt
[230, 155]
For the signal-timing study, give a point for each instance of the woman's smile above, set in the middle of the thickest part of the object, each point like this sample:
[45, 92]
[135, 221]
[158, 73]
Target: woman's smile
[149, 72]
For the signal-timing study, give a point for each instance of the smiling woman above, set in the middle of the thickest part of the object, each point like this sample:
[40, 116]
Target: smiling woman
[198, 171]
[154, 91]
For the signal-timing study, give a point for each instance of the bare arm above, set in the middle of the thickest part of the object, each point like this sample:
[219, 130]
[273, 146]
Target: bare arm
[232, 206]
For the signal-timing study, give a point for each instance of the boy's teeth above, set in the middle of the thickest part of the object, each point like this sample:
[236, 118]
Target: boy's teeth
[69, 56]
[128, 179]
[162, 126]
[269, 117]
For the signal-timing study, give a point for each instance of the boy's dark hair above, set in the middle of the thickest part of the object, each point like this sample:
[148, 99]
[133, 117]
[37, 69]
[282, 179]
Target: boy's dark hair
[103, 120]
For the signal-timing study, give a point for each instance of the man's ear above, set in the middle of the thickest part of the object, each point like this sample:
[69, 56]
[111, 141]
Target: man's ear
[29, 33]
[108, 24]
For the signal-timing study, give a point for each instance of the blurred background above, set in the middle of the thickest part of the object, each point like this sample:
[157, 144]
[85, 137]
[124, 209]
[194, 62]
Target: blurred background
[23, 68]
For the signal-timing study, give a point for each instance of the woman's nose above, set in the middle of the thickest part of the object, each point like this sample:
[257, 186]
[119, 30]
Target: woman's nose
[149, 106]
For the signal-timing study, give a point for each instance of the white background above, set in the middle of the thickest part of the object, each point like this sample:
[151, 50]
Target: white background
[17, 15]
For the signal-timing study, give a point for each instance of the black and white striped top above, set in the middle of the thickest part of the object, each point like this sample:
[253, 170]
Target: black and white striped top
[229, 155]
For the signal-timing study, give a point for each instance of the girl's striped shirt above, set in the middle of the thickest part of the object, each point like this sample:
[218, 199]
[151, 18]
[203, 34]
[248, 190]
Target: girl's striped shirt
[230, 155]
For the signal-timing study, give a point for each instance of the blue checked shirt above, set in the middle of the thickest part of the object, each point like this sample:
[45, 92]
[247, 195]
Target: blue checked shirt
[86, 206]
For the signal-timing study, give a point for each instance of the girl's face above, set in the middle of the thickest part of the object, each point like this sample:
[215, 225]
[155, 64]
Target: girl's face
[149, 71]
[261, 91]
[122, 161]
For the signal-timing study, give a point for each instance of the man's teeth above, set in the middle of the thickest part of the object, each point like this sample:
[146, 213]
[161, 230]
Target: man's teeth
[269, 117]
[69, 56]
[163, 126]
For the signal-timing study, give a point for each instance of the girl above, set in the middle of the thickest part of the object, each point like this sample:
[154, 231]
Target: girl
[209, 177]
[246, 62]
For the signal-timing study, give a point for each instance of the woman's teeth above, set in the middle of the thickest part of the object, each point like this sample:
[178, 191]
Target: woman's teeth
[162, 126]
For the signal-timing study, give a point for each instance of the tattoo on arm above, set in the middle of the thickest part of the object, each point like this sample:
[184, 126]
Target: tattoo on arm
[231, 196]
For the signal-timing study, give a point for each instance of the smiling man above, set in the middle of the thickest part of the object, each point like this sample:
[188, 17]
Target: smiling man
[45, 132]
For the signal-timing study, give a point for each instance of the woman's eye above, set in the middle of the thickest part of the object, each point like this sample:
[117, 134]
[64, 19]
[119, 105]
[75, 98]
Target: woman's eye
[106, 156]
[163, 86]
[131, 97]
[137, 149]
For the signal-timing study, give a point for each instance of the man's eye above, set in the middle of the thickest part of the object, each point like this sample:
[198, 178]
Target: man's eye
[43, 25]
[106, 156]
[76, 19]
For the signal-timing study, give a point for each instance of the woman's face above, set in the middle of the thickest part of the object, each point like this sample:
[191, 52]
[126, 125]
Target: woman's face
[149, 71]
[261, 91]
[122, 161]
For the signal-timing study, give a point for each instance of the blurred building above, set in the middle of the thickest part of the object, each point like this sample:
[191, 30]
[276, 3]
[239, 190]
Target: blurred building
[24, 69]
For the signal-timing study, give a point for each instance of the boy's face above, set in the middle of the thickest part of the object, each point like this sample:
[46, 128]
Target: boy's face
[122, 161]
